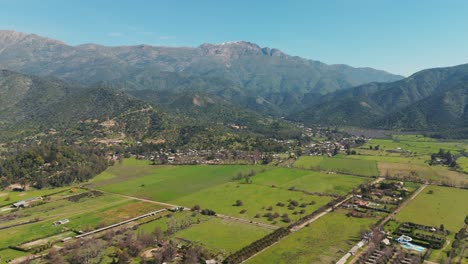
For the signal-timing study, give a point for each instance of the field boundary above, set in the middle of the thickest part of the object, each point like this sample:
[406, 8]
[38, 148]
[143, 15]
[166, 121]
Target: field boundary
[120, 223]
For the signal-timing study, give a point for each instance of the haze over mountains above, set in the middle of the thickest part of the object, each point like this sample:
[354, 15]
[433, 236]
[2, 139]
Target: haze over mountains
[224, 83]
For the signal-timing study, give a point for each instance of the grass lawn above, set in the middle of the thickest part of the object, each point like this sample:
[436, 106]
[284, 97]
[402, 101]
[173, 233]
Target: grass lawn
[324, 241]
[219, 235]
[447, 206]
[256, 199]
[307, 180]
[165, 183]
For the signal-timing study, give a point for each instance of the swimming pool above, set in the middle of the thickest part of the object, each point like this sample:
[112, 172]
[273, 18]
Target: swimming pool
[414, 247]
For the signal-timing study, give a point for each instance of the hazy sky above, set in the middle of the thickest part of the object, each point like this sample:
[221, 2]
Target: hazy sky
[398, 36]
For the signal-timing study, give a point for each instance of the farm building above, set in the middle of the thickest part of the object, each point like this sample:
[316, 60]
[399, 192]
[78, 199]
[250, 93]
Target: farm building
[61, 222]
[26, 202]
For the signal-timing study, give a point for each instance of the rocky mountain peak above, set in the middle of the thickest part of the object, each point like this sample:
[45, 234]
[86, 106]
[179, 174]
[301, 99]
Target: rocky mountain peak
[11, 37]
[236, 49]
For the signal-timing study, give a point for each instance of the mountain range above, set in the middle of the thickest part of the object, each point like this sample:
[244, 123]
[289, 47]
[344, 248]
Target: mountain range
[262, 79]
[215, 85]
[429, 100]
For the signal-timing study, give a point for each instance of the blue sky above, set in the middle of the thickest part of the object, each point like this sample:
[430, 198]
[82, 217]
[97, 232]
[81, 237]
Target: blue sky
[400, 36]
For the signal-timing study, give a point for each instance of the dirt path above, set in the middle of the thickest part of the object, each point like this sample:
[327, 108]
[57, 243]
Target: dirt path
[120, 223]
[135, 198]
[249, 222]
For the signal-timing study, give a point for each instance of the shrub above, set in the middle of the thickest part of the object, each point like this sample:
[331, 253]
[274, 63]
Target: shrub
[294, 203]
[238, 203]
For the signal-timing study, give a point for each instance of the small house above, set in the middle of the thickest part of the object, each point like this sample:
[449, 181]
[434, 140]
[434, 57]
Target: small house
[61, 222]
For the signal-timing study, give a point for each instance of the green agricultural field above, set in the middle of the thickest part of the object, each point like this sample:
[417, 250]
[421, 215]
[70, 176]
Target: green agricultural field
[220, 235]
[213, 187]
[7, 254]
[164, 183]
[306, 180]
[358, 167]
[255, 198]
[420, 147]
[437, 174]
[445, 206]
[324, 241]
[462, 163]
[86, 214]
[308, 162]
[165, 218]
[420, 160]
[12, 197]
[340, 165]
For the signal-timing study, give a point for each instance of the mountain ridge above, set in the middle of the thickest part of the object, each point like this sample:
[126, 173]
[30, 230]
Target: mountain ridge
[429, 100]
[256, 72]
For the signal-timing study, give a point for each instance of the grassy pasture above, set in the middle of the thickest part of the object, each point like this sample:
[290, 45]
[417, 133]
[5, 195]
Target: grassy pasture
[462, 163]
[421, 147]
[256, 199]
[340, 165]
[165, 183]
[308, 162]
[438, 174]
[307, 180]
[88, 213]
[212, 187]
[219, 235]
[419, 160]
[7, 197]
[7, 254]
[445, 206]
[324, 241]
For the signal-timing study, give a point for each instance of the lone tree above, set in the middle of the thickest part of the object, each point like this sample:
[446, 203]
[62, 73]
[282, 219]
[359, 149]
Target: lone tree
[238, 203]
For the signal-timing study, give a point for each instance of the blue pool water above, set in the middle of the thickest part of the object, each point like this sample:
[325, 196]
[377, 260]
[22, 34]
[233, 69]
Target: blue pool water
[410, 246]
